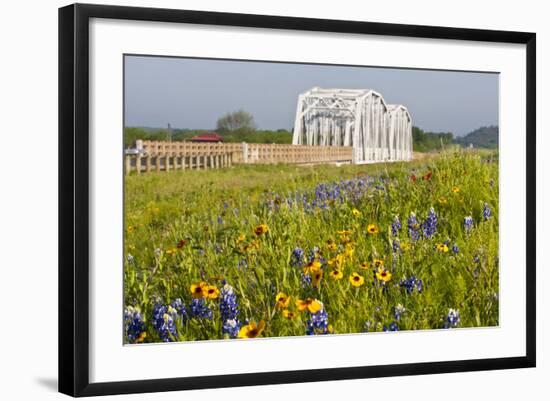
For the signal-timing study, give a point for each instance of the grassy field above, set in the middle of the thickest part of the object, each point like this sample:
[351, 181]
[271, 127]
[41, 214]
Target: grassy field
[288, 250]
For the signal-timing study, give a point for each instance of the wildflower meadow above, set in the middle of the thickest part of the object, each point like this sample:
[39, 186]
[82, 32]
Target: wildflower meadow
[285, 250]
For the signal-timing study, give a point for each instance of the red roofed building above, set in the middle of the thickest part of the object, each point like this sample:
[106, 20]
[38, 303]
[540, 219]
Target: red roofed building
[207, 137]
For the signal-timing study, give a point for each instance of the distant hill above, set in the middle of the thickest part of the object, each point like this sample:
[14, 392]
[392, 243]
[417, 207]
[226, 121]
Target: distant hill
[484, 137]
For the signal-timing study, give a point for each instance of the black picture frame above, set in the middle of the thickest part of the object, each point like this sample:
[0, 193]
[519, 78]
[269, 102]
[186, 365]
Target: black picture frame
[74, 194]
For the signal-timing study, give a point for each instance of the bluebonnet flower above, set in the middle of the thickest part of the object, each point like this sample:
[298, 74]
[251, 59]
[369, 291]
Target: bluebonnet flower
[181, 311]
[163, 322]
[398, 310]
[317, 323]
[395, 245]
[412, 283]
[228, 303]
[133, 323]
[429, 226]
[130, 258]
[313, 254]
[412, 224]
[486, 212]
[220, 220]
[468, 223]
[297, 258]
[229, 311]
[306, 280]
[242, 264]
[452, 319]
[395, 226]
[199, 309]
[392, 327]
[231, 327]
[455, 249]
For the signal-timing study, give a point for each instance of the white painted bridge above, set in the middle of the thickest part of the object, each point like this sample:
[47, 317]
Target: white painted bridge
[359, 118]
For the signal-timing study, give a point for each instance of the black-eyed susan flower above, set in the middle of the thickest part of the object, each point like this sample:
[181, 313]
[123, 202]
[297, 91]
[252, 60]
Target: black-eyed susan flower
[442, 248]
[442, 200]
[316, 278]
[287, 314]
[344, 232]
[372, 229]
[455, 190]
[251, 330]
[365, 265]
[331, 245]
[212, 292]
[345, 239]
[312, 267]
[336, 274]
[312, 305]
[356, 279]
[282, 300]
[198, 290]
[356, 212]
[339, 261]
[261, 229]
[171, 251]
[377, 263]
[383, 275]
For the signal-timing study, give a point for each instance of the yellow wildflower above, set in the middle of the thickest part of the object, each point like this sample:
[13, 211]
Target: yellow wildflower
[312, 267]
[261, 229]
[251, 330]
[212, 292]
[282, 300]
[372, 229]
[336, 274]
[198, 290]
[442, 248]
[356, 280]
[312, 305]
[316, 278]
[288, 314]
[383, 275]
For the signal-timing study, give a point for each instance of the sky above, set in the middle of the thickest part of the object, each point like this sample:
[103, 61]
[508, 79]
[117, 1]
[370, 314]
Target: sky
[194, 93]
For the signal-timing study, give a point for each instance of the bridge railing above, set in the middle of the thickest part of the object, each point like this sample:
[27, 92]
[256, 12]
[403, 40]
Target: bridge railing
[166, 156]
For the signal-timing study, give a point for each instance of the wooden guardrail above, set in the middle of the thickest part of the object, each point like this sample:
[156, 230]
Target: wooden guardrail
[166, 162]
[166, 156]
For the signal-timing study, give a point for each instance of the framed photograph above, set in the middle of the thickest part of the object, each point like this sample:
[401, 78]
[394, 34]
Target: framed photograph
[251, 199]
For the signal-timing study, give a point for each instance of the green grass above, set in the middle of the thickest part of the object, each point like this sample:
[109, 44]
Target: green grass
[215, 213]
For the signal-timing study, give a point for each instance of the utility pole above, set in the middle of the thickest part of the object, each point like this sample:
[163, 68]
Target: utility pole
[169, 133]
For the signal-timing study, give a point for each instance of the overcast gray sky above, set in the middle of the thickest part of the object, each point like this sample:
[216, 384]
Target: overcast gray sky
[194, 93]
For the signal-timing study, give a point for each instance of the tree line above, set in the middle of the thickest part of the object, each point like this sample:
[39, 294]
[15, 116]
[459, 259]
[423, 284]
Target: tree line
[240, 126]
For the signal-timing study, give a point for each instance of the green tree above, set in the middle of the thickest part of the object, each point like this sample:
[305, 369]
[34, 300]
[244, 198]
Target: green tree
[238, 121]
